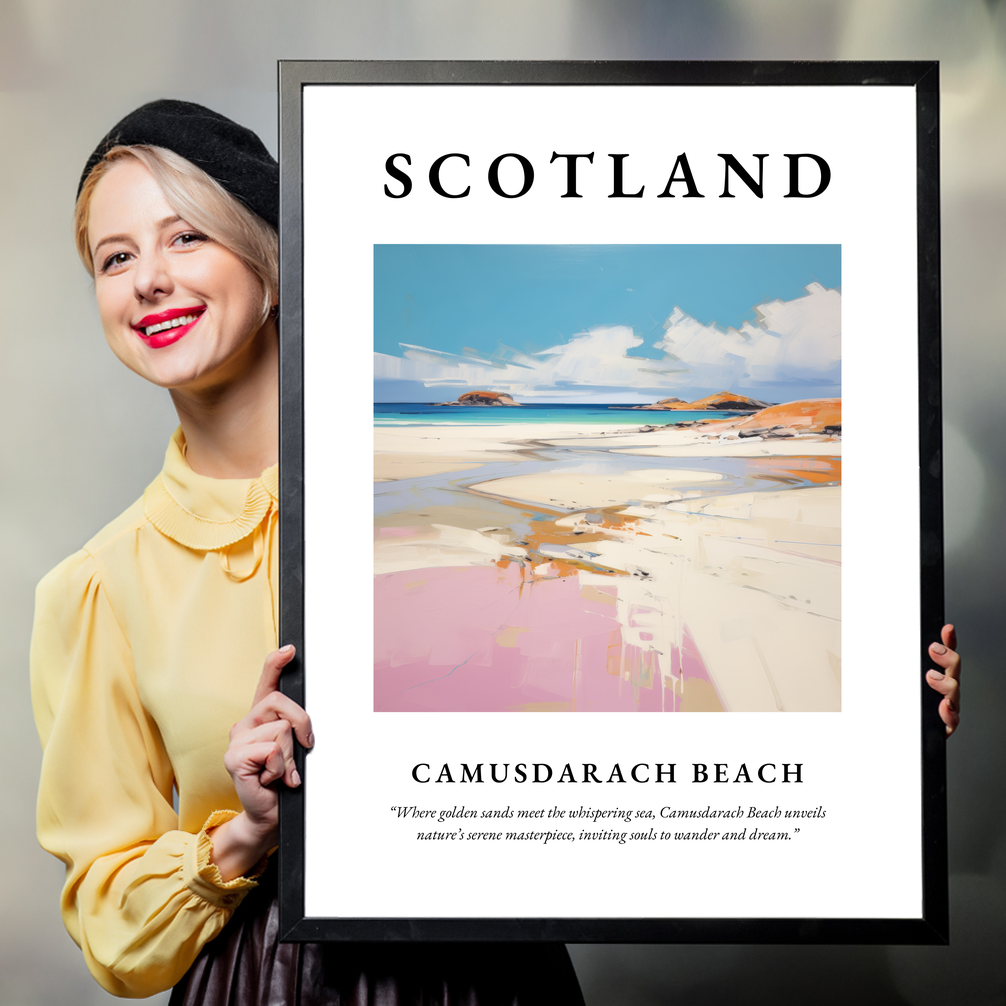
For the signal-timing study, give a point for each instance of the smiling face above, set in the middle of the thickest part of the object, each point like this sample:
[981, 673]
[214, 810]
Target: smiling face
[177, 307]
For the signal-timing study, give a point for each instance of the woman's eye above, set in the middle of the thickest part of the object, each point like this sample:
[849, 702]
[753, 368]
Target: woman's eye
[114, 261]
[190, 238]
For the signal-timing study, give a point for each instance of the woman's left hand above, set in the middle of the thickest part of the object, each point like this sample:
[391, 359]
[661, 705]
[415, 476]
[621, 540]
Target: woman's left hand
[948, 681]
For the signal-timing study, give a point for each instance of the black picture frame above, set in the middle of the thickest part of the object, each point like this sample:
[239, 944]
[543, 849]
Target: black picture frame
[932, 925]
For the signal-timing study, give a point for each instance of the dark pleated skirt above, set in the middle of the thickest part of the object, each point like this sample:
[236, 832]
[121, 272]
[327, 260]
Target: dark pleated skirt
[246, 965]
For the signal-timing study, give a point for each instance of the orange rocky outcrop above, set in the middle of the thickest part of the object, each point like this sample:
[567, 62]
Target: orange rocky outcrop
[808, 417]
[722, 401]
[482, 398]
[812, 415]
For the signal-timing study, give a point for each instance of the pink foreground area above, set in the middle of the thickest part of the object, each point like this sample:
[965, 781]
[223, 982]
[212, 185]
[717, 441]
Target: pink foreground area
[481, 638]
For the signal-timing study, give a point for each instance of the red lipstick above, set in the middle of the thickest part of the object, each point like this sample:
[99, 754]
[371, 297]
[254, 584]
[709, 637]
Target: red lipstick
[166, 327]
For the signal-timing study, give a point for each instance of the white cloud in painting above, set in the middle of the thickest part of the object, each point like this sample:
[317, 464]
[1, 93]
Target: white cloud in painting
[588, 362]
[791, 343]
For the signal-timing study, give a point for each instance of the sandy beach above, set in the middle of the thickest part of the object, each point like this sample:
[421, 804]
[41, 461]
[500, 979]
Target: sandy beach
[606, 567]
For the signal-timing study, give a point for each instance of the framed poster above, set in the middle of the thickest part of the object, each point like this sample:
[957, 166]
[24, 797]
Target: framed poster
[576, 340]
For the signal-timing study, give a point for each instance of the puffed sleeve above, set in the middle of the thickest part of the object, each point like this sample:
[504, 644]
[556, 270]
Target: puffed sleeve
[141, 898]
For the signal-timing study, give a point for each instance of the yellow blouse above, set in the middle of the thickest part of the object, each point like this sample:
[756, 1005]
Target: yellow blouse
[147, 647]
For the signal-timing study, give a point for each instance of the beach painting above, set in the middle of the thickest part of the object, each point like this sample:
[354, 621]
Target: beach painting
[607, 478]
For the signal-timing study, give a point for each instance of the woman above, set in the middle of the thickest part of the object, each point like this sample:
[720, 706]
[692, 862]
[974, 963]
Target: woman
[148, 643]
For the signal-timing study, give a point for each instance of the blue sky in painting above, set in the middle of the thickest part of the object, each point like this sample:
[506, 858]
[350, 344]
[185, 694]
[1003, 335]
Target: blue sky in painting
[507, 303]
[530, 297]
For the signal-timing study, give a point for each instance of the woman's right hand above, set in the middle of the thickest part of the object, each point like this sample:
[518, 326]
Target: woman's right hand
[260, 753]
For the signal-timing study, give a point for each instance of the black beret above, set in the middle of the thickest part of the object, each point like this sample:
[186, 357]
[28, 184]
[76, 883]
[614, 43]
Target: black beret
[230, 154]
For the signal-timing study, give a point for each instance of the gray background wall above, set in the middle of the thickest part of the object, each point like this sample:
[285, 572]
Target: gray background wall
[82, 436]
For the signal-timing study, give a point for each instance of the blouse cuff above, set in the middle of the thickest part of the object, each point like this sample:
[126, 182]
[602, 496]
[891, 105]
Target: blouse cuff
[202, 876]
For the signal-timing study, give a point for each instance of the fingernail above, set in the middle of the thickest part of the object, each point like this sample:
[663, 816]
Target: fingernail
[310, 740]
[287, 649]
[295, 777]
[938, 648]
[936, 675]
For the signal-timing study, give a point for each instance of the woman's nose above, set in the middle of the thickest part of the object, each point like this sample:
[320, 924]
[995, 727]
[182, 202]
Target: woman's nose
[152, 277]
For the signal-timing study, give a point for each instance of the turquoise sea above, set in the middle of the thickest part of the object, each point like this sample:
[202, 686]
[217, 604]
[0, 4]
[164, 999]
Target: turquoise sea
[419, 414]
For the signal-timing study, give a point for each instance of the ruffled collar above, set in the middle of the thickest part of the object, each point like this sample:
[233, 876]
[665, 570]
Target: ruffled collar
[203, 513]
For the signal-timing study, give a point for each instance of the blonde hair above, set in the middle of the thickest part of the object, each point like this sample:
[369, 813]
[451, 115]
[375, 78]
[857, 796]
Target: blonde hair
[199, 200]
